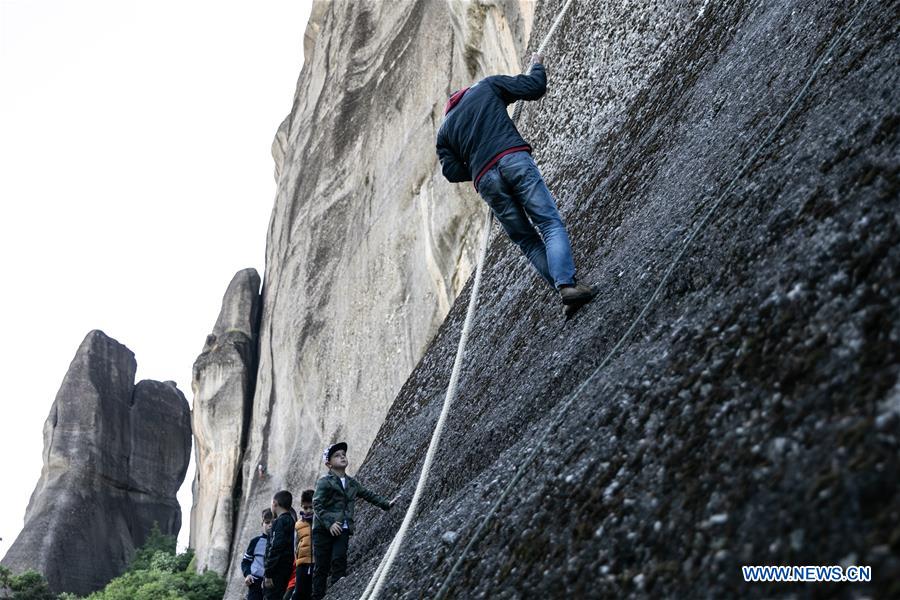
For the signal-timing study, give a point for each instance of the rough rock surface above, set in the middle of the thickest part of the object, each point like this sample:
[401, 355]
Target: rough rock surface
[754, 417]
[368, 246]
[115, 454]
[223, 381]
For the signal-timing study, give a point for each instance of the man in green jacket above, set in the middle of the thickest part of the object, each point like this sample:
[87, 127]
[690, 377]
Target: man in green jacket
[334, 505]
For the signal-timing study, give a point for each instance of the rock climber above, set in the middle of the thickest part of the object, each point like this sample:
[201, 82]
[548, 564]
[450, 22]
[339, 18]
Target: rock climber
[478, 142]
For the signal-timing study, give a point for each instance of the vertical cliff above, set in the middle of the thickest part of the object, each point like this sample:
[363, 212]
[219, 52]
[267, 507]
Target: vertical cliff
[223, 380]
[368, 246]
[115, 454]
[753, 417]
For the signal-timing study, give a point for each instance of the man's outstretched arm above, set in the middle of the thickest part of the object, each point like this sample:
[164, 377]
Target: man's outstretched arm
[370, 496]
[523, 87]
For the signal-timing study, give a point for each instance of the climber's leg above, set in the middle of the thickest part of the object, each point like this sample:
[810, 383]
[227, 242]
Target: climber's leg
[524, 179]
[514, 220]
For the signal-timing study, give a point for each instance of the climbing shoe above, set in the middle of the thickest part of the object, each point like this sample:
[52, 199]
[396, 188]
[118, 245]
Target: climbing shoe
[576, 296]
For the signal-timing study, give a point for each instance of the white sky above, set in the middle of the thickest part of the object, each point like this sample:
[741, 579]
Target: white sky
[135, 180]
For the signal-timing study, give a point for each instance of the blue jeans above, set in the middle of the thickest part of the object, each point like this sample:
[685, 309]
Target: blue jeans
[519, 198]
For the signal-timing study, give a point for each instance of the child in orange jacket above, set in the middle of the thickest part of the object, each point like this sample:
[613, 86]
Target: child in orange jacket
[304, 553]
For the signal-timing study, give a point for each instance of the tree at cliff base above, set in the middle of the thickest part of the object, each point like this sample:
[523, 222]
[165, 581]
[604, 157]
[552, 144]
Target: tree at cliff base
[157, 572]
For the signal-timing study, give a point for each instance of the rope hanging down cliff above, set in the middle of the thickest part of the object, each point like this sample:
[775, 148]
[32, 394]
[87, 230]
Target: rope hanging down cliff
[379, 577]
[557, 419]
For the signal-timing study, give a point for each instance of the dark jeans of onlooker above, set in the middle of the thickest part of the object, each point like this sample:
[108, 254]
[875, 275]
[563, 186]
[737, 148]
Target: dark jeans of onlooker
[255, 591]
[276, 592]
[303, 588]
[330, 555]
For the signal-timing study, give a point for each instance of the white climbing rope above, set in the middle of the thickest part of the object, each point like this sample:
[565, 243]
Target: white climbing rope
[379, 577]
[557, 419]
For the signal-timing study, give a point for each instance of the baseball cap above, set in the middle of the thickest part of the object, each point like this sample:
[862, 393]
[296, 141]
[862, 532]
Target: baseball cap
[326, 455]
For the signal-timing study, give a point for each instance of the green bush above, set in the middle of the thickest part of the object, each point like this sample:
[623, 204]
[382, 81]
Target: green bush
[29, 585]
[156, 542]
[158, 573]
[155, 573]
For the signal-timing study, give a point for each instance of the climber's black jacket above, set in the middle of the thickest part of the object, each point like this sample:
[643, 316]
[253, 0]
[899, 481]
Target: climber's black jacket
[477, 130]
[280, 548]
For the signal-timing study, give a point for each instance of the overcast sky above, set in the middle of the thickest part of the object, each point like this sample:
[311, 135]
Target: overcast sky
[136, 179]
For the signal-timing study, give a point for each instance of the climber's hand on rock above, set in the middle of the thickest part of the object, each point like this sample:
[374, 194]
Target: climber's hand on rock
[537, 59]
[335, 529]
[249, 580]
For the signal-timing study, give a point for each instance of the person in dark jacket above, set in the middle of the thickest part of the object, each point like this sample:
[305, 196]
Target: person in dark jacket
[280, 549]
[253, 562]
[292, 582]
[334, 504]
[478, 142]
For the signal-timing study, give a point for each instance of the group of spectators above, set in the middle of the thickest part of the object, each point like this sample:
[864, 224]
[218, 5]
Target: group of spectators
[297, 552]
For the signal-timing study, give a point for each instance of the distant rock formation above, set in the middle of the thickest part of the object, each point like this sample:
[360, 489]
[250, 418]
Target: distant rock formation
[223, 380]
[368, 245]
[115, 454]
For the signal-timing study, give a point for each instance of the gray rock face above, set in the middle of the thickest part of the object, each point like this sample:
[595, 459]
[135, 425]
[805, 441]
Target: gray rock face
[223, 379]
[115, 454]
[749, 420]
[368, 246]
